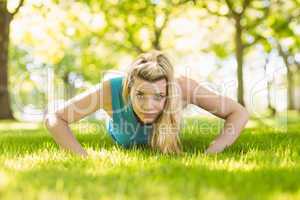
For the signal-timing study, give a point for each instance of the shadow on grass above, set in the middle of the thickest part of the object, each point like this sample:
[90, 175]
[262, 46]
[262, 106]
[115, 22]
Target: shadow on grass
[165, 180]
[247, 142]
[29, 141]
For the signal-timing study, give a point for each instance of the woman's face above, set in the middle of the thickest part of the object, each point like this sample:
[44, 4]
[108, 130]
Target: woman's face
[148, 98]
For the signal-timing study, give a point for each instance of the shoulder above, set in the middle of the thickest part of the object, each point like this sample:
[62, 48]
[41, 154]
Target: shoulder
[106, 86]
[186, 86]
[116, 82]
[185, 82]
[113, 85]
[117, 78]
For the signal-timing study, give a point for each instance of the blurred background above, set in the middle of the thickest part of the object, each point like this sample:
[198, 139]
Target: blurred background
[51, 50]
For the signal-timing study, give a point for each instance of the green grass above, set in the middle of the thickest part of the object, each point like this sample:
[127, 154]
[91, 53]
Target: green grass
[262, 164]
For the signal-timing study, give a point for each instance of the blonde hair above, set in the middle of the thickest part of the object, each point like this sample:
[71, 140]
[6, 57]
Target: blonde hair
[152, 66]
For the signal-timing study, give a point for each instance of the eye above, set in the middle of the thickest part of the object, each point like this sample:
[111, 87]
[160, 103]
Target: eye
[142, 61]
[140, 95]
[159, 97]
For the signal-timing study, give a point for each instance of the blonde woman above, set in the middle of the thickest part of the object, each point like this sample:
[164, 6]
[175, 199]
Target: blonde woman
[145, 108]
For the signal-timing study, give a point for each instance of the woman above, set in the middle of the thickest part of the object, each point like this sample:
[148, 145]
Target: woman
[145, 108]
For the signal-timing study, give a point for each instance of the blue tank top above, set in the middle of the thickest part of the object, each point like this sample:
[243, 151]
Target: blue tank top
[125, 127]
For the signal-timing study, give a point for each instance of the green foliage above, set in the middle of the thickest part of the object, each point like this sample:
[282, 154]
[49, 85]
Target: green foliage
[221, 50]
[283, 23]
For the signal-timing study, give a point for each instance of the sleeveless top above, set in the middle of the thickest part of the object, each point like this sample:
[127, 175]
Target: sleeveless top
[125, 127]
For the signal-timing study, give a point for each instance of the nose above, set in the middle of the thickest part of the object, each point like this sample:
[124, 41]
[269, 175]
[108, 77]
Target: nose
[148, 105]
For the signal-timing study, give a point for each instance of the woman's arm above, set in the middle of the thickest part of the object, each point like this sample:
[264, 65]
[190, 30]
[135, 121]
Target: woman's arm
[234, 114]
[75, 109]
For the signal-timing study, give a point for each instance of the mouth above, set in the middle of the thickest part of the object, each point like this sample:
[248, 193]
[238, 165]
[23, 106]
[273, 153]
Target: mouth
[149, 114]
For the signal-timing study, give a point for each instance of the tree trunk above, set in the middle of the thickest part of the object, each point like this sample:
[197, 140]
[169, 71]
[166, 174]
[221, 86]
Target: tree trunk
[156, 41]
[269, 84]
[296, 83]
[5, 108]
[69, 90]
[289, 76]
[270, 107]
[290, 88]
[239, 53]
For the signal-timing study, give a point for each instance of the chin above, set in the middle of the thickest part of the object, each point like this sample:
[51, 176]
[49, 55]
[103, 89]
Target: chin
[148, 120]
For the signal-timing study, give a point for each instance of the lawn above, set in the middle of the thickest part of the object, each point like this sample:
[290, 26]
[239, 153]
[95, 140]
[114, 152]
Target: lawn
[263, 164]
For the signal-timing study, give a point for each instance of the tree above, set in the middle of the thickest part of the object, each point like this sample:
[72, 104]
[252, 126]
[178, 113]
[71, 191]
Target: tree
[282, 27]
[67, 44]
[246, 16]
[128, 20]
[5, 19]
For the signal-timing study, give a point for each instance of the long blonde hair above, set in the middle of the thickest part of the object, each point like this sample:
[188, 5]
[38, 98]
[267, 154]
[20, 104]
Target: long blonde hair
[152, 66]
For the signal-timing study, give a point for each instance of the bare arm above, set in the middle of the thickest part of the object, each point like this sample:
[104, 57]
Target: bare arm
[75, 109]
[235, 115]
